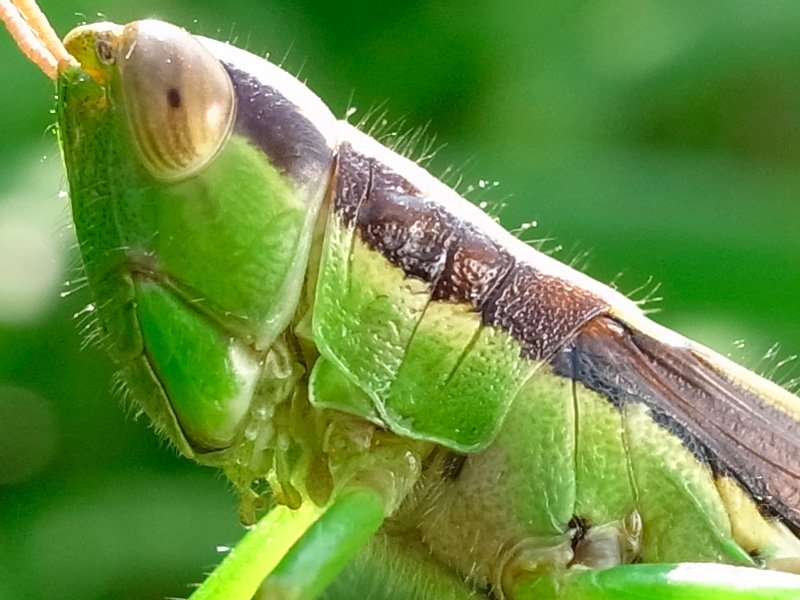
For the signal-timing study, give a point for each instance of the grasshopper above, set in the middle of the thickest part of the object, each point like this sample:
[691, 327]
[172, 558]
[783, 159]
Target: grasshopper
[409, 388]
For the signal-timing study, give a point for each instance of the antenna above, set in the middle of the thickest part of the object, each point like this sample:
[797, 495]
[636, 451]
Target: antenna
[35, 37]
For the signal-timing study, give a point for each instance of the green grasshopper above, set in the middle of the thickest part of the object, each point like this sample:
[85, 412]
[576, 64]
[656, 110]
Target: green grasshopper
[418, 394]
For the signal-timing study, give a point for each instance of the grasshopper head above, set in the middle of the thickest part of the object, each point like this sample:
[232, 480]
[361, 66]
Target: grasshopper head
[196, 173]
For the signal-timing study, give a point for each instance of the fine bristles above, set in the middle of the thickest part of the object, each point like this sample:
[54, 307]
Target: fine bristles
[34, 36]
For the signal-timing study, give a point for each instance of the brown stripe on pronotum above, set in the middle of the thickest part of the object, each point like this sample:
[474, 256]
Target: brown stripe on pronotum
[35, 37]
[415, 231]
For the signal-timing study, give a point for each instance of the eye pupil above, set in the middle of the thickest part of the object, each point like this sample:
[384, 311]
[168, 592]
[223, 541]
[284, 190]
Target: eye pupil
[174, 98]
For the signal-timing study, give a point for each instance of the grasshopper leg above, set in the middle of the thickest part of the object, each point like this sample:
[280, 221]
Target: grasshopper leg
[698, 581]
[299, 552]
[315, 560]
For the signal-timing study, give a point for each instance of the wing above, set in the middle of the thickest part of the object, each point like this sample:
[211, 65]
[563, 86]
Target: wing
[741, 425]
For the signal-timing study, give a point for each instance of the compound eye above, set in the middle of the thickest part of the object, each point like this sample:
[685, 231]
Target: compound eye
[178, 98]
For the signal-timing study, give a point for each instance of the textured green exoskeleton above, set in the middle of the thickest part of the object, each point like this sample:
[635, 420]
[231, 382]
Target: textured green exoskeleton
[424, 397]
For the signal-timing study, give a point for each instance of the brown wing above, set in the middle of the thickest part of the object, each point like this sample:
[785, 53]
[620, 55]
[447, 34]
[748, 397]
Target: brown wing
[739, 424]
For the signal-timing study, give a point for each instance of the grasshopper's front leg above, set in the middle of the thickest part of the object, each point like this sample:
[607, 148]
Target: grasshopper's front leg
[315, 560]
[688, 581]
[300, 551]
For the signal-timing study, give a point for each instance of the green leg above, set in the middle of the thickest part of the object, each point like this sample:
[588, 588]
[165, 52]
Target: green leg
[690, 581]
[326, 548]
[303, 549]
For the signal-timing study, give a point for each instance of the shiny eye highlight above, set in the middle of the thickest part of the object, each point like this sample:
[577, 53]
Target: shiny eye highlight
[178, 98]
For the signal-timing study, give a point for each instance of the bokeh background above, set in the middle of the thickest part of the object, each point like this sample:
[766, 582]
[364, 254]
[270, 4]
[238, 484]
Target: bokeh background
[661, 136]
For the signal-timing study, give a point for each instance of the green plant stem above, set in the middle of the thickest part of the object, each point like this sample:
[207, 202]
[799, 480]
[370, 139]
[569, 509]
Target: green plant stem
[239, 576]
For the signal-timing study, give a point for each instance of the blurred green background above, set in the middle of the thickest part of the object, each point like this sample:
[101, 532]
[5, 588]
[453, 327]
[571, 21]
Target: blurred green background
[663, 136]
